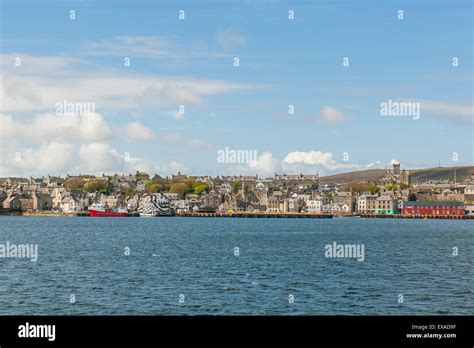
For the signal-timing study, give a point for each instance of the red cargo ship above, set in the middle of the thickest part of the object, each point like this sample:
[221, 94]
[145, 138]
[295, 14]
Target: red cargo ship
[98, 210]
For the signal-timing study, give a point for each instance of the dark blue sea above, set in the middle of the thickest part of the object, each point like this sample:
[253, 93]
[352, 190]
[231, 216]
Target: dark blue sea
[190, 266]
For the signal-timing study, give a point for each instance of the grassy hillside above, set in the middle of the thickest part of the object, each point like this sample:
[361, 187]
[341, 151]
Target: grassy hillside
[440, 173]
[363, 175]
[416, 175]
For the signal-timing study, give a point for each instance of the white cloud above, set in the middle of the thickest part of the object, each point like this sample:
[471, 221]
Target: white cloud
[44, 127]
[131, 46]
[150, 167]
[315, 162]
[137, 131]
[175, 114]
[310, 162]
[228, 38]
[461, 112]
[50, 157]
[330, 114]
[38, 65]
[154, 47]
[312, 157]
[266, 165]
[199, 143]
[172, 137]
[26, 90]
[59, 158]
[324, 163]
[96, 157]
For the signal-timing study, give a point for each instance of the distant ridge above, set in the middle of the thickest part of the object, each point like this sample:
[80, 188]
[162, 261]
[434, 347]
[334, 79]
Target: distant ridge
[362, 175]
[439, 173]
[416, 175]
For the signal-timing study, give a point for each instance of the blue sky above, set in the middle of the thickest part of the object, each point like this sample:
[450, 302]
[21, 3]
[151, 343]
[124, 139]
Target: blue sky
[190, 62]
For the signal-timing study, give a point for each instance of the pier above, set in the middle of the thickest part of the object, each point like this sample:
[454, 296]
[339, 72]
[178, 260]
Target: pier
[268, 215]
[401, 216]
[259, 215]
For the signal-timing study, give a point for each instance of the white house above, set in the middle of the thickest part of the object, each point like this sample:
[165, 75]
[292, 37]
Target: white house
[314, 206]
[341, 208]
[469, 190]
[68, 204]
[327, 208]
[366, 203]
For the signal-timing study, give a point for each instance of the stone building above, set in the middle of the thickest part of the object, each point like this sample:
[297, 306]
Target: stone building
[41, 201]
[396, 176]
[386, 204]
[11, 203]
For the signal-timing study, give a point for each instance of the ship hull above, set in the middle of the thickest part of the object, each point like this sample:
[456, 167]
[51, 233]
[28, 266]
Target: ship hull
[154, 205]
[97, 213]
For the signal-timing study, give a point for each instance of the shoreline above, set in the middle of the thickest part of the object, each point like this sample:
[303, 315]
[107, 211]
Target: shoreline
[251, 215]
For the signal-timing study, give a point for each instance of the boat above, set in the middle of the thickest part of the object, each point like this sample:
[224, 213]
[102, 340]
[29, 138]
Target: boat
[99, 210]
[155, 204]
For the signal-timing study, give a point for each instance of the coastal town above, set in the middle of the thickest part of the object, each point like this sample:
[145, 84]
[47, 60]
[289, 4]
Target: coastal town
[300, 194]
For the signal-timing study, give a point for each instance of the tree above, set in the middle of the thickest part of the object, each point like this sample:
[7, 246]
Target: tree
[201, 188]
[356, 187]
[96, 185]
[374, 189]
[391, 187]
[153, 187]
[190, 182]
[74, 184]
[164, 184]
[236, 185]
[128, 191]
[180, 188]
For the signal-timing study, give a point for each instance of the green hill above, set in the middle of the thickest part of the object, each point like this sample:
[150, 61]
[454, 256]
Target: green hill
[441, 173]
[416, 175]
[362, 175]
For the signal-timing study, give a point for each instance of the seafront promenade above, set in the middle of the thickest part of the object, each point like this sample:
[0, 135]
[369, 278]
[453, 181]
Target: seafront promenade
[271, 215]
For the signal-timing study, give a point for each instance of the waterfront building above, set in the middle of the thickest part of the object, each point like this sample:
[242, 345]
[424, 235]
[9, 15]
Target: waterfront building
[273, 205]
[327, 208]
[314, 206]
[433, 208]
[294, 205]
[257, 208]
[41, 201]
[386, 204]
[341, 208]
[12, 203]
[69, 204]
[367, 203]
[468, 208]
[344, 197]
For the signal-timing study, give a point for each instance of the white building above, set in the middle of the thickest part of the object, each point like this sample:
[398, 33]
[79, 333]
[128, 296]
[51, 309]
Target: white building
[341, 208]
[366, 203]
[469, 190]
[328, 208]
[468, 209]
[314, 206]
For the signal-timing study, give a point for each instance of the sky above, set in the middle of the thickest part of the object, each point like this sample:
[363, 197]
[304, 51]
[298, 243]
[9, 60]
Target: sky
[182, 99]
